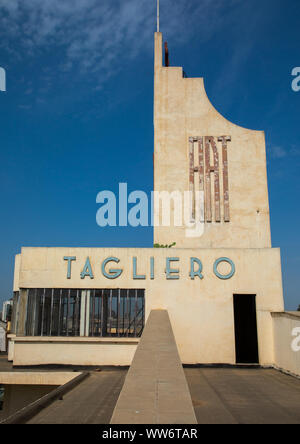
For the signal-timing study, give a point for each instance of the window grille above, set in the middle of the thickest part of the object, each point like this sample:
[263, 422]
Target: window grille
[98, 313]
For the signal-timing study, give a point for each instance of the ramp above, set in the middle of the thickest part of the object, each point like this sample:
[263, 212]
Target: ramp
[91, 402]
[155, 389]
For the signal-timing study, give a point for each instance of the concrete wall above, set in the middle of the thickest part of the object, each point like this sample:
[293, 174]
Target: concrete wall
[16, 397]
[284, 326]
[37, 378]
[11, 347]
[2, 339]
[183, 110]
[17, 272]
[201, 311]
[73, 351]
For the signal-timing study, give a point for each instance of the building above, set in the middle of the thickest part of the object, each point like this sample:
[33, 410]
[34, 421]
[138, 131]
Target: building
[7, 310]
[2, 336]
[222, 282]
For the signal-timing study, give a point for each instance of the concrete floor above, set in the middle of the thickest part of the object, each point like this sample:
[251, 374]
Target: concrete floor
[244, 396]
[91, 402]
[219, 395]
[5, 366]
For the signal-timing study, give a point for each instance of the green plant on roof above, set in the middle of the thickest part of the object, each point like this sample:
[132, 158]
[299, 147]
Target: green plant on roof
[164, 246]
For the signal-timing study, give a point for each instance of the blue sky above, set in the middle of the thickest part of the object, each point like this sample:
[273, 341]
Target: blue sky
[77, 117]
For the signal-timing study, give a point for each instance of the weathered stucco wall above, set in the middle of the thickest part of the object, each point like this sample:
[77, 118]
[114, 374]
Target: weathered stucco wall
[183, 110]
[37, 378]
[287, 335]
[201, 311]
[72, 351]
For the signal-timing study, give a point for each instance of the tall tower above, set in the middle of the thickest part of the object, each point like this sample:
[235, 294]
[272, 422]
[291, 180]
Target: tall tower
[221, 165]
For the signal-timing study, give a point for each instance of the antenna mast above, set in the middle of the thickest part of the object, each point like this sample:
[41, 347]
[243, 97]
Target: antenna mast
[157, 15]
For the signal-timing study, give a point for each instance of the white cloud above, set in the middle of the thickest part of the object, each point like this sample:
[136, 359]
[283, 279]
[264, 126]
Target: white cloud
[95, 35]
[278, 152]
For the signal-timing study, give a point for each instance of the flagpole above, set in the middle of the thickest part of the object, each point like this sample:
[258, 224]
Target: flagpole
[157, 15]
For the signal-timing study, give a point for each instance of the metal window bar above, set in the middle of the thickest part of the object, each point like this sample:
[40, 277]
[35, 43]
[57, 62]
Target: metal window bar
[68, 313]
[72, 314]
[113, 312]
[102, 298]
[59, 314]
[135, 312]
[43, 312]
[128, 311]
[64, 313]
[133, 321]
[110, 312]
[78, 300]
[118, 313]
[92, 321]
[124, 301]
[28, 316]
[34, 330]
[51, 312]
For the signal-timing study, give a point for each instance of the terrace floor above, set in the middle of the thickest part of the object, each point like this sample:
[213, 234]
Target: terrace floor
[219, 396]
[244, 396]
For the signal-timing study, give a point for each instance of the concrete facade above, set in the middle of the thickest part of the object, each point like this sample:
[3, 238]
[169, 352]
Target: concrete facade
[5, 309]
[28, 351]
[183, 110]
[187, 281]
[37, 378]
[198, 308]
[287, 341]
[2, 337]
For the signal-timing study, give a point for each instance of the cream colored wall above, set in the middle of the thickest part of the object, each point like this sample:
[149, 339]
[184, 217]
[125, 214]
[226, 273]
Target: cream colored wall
[17, 272]
[11, 348]
[182, 110]
[285, 357]
[2, 339]
[201, 311]
[73, 352]
[37, 378]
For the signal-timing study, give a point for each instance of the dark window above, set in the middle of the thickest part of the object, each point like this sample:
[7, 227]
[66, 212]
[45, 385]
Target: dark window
[117, 313]
[53, 312]
[102, 313]
[2, 390]
[245, 329]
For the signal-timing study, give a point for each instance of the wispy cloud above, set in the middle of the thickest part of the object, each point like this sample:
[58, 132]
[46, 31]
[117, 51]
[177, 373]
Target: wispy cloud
[279, 152]
[94, 35]
[246, 25]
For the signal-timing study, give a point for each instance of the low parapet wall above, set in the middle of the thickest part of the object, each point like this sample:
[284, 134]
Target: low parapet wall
[25, 414]
[287, 341]
[37, 378]
[31, 351]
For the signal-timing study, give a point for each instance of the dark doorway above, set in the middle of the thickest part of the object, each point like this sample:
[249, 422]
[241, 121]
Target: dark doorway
[246, 342]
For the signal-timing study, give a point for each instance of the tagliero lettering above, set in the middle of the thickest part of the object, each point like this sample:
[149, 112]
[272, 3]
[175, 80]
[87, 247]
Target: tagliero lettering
[172, 268]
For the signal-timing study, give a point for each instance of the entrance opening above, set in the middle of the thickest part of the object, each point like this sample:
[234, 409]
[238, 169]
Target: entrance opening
[246, 341]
